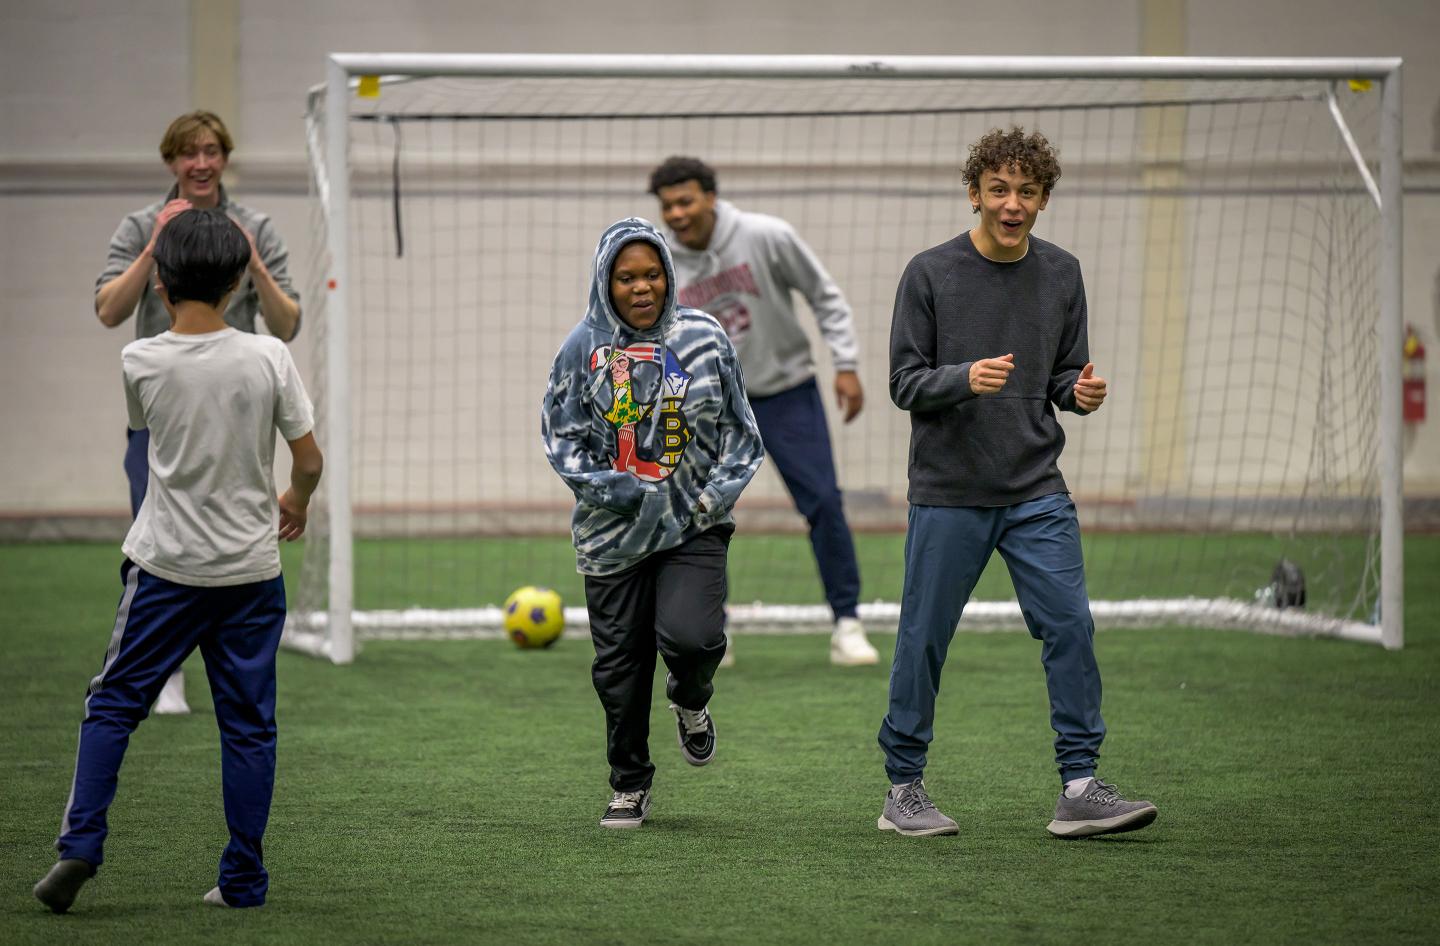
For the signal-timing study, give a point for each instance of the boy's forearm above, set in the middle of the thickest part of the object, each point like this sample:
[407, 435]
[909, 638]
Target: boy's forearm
[305, 477]
[116, 300]
[303, 485]
[281, 313]
[914, 384]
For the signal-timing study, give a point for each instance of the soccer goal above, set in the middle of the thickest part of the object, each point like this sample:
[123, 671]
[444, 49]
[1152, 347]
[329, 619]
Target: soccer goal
[1238, 222]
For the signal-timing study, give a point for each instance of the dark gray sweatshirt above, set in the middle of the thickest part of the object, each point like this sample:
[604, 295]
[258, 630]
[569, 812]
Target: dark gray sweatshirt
[955, 307]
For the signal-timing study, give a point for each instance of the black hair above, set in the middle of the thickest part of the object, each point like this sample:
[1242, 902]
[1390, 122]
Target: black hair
[200, 256]
[678, 170]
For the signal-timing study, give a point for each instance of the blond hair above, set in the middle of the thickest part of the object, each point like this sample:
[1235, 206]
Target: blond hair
[184, 130]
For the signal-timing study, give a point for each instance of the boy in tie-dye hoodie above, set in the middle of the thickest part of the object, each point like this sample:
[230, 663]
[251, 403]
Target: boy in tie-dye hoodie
[646, 420]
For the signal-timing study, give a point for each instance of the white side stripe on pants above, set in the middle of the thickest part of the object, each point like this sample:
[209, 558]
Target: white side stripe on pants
[122, 617]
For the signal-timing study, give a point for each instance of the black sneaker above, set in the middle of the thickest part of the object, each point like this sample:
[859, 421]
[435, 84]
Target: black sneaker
[626, 809]
[696, 731]
[58, 889]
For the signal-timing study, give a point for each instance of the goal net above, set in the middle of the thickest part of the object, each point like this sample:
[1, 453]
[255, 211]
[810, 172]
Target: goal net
[1229, 230]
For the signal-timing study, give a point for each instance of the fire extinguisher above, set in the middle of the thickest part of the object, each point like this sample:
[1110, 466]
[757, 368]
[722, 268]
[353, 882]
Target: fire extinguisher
[1412, 377]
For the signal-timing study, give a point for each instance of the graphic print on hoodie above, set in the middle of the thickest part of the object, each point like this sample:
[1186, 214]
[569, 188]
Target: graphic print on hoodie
[625, 413]
[640, 423]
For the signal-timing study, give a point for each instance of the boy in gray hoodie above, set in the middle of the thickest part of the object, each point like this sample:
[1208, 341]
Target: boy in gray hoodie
[645, 418]
[742, 268]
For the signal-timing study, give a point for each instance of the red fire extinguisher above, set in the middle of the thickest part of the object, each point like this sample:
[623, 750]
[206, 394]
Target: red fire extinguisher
[1412, 377]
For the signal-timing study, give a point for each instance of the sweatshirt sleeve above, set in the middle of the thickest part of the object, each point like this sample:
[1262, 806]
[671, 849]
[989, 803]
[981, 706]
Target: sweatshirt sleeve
[801, 268]
[566, 432]
[917, 383]
[125, 247]
[740, 450]
[1073, 351]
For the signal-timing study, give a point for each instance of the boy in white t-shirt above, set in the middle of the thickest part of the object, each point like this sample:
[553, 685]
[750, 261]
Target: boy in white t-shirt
[202, 560]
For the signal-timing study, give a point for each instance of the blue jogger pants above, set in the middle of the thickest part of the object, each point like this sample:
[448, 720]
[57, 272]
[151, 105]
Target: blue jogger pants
[157, 625]
[797, 440]
[946, 550]
[137, 467]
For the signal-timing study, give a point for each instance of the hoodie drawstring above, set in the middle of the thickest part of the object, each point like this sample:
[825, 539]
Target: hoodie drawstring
[659, 397]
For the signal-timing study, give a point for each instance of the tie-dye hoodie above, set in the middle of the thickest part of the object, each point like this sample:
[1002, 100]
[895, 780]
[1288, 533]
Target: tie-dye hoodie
[649, 428]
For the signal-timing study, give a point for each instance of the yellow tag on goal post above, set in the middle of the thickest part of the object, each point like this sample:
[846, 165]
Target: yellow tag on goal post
[369, 87]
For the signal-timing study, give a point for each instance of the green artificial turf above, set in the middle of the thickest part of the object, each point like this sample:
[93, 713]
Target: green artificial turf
[780, 569]
[448, 793]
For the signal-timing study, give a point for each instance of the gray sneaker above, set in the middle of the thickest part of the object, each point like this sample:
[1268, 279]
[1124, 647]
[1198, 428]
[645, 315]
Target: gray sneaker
[1099, 810]
[909, 811]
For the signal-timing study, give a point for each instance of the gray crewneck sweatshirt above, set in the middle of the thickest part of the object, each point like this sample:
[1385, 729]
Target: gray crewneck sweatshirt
[954, 307]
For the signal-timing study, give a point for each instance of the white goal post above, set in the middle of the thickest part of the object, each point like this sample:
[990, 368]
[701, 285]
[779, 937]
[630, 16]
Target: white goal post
[1323, 299]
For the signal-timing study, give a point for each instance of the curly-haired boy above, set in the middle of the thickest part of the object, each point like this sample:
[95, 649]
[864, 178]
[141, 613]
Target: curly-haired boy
[988, 339]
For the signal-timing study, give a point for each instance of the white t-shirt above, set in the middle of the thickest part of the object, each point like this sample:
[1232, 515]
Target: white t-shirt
[213, 404]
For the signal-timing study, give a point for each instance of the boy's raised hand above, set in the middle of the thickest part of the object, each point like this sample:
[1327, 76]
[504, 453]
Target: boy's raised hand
[249, 238]
[1090, 391]
[167, 213]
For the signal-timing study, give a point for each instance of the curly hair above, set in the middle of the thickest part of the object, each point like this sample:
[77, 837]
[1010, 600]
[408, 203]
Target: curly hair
[678, 170]
[999, 150]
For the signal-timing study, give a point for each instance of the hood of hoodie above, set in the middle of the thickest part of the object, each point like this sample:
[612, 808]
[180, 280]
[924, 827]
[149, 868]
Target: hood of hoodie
[600, 311]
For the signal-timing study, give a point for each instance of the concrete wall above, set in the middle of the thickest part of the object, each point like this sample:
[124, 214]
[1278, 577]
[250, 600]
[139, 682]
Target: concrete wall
[88, 85]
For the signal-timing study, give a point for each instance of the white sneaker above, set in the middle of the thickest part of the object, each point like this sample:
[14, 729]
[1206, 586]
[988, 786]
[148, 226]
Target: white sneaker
[171, 701]
[213, 897]
[848, 646]
[729, 659]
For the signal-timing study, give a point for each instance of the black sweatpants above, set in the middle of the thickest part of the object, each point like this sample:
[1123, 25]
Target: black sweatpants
[673, 603]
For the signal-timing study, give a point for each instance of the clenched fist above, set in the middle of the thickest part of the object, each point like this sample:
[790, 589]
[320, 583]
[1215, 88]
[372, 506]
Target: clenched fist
[989, 375]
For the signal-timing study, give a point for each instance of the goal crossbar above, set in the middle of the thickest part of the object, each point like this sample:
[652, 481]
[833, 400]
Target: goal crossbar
[867, 67]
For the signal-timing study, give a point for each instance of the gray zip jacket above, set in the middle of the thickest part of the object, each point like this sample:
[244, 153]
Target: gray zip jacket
[651, 429]
[150, 316]
[744, 278]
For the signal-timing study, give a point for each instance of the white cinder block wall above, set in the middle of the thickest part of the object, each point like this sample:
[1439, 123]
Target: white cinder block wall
[87, 87]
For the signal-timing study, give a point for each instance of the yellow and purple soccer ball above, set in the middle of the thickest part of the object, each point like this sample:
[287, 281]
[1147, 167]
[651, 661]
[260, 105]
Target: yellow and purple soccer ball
[534, 617]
